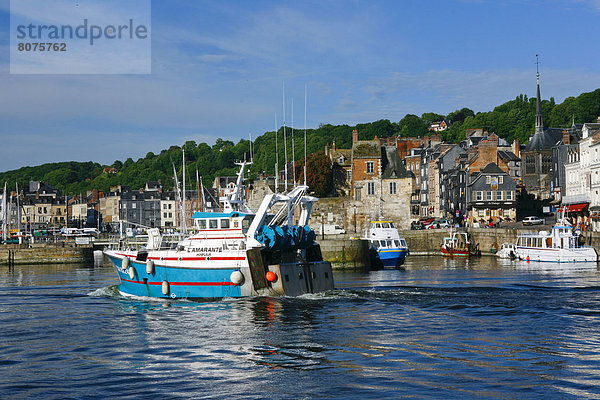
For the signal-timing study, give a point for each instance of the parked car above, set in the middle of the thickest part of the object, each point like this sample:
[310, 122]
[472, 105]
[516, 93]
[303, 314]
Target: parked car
[439, 223]
[533, 221]
[331, 230]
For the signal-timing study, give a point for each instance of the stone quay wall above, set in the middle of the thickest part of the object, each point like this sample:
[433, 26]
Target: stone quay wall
[45, 254]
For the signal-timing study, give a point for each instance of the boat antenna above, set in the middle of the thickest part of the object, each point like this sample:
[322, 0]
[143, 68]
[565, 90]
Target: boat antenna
[276, 158]
[198, 190]
[251, 154]
[304, 134]
[285, 143]
[293, 148]
[19, 209]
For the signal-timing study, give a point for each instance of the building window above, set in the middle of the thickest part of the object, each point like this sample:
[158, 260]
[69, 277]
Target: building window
[488, 196]
[488, 179]
[530, 164]
[370, 166]
[392, 187]
[509, 195]
[479, 196]
[371, 188]
[132, 205]
[500, 179]
[357, 194]
[499, 195]
[546, 163]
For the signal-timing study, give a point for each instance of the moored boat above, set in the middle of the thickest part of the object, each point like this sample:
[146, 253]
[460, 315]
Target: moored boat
[562, 244]
[458, 244]
[507, 251]
[232, 253]
[384, 238]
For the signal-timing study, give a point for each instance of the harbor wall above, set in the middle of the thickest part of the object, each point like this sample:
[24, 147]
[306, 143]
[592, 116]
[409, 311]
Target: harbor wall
[428, 241]
[45, 254]
[345, 253]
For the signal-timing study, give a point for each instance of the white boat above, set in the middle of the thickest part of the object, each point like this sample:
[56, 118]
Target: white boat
[562, 244]
[384, 238]
[233, 253]
[507, 251]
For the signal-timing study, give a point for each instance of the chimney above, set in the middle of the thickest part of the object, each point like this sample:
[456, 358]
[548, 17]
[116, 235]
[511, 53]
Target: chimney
[566, 137]
[516, 147]
[598, 120]
[354, 136]
[334, 145]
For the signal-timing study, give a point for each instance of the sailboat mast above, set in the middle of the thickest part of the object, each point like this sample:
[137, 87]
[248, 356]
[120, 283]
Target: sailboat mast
[4, 214]
[276, 158]
[285, 143]
[19, 210]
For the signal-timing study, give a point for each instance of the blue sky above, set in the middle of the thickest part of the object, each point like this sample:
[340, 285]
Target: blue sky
[218, 68]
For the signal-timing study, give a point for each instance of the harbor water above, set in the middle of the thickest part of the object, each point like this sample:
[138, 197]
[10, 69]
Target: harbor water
[439, 328]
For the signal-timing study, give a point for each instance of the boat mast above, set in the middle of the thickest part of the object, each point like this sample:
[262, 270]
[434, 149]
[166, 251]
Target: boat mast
[4, 214]
[183, 205]
[285, 143]
[19, 210]
[197, 190]
[305, 135]
[293, 149]
[276, 157]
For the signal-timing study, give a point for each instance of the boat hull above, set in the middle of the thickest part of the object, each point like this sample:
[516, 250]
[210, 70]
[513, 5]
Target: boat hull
[454, 252]
[392, 257]
[557, 255]
[203, 281]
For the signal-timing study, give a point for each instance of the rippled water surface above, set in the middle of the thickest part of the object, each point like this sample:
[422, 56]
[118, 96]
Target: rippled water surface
[438, 329]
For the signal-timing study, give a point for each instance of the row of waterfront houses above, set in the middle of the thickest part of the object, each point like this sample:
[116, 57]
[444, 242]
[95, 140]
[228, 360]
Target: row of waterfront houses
[478, 181]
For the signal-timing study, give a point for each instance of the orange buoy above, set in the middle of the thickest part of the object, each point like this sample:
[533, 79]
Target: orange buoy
[271, 276]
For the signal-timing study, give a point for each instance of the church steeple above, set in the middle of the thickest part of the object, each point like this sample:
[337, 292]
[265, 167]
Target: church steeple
[539, 122]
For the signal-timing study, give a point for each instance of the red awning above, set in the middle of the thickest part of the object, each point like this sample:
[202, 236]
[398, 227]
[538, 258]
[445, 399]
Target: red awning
[575, 207]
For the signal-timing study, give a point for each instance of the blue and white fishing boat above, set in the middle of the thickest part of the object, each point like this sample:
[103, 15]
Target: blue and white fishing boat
[390, 246]
[232, 253]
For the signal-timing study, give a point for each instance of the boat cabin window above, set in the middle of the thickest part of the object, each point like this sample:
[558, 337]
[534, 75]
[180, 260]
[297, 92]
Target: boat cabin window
[385, 225]
[389, 243]
[246, 223]
[382, 243]
[392, 225]
[377, 225]
[201, 224]
[224, 224]
[213, 224]
[375, 244]
[397, 243]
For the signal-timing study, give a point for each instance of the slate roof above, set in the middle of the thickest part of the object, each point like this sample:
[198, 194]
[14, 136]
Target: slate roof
[544, 140]
[393, 166]
[508, 155]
